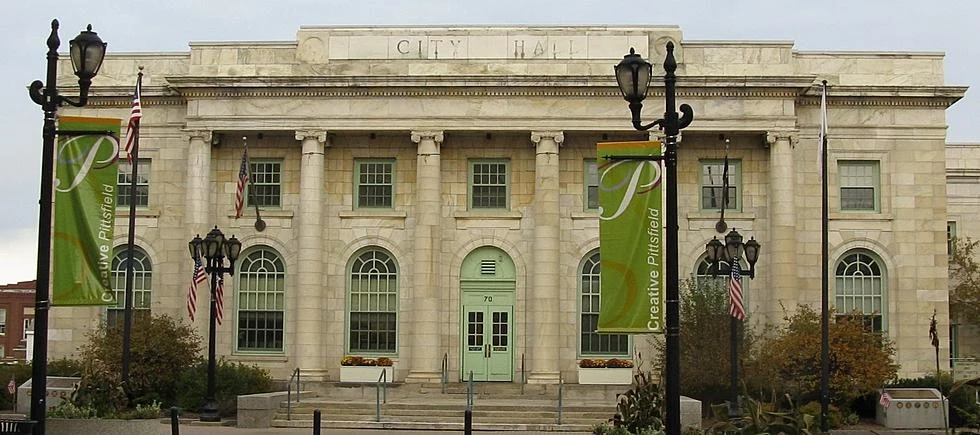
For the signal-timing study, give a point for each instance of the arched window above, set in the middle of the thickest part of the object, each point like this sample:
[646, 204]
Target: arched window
[373, 303]
[591, 342]
[261, 298]
[859, 288]
[142, 285]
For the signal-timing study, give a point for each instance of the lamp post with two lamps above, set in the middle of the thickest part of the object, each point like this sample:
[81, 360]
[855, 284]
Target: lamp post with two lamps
[724, 260]
[214, 248]
[633, 75]
[87, 52]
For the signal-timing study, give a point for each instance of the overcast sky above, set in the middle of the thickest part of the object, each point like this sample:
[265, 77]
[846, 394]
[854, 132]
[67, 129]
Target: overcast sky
[168, 25]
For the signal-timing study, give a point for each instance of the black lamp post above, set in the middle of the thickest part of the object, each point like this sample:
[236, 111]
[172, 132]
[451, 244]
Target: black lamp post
[722, 257]
[87, 52]
[214, 248]
[633, 75]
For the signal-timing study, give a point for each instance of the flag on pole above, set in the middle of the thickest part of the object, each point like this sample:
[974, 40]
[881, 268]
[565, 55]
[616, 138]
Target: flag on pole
[933, 332]
[135, 114]
[735, 291]
[197, 278]
[242, 182]
[885, 400]
[822, 134]
[219, 295]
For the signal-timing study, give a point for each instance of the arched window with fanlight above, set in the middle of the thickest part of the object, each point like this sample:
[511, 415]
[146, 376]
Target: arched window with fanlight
[859, 289]
[261, 300]
[373, 303]
[592, 343]
[142, 285]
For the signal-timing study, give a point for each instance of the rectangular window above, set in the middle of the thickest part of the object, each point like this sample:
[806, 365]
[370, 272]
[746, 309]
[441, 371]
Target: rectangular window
[489, 185]
[859, 185]
[265, 187]
[124, 178]
[374, 183]
[373, 313]
[713, 184]
[954, 341]
[591, 181]
[3, 321]
[950, 237]
[28, 326]
[593, 343]
[261, 308]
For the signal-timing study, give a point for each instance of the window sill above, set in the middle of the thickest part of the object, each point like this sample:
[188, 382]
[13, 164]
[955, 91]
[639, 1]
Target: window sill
[715, 214]
[860, 216]
[276, 213]
[256, 356]
[372, 214]
[590, 214]
[140, 212]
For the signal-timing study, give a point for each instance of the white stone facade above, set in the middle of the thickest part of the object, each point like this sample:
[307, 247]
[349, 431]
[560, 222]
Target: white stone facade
[432, 99]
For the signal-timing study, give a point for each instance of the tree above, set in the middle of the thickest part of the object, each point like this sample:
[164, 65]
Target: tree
[964, 274]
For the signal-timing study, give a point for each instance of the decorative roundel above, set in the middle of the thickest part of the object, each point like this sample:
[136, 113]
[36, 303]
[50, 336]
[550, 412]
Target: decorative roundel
[918, 404]
[935, 404]
[900, 404]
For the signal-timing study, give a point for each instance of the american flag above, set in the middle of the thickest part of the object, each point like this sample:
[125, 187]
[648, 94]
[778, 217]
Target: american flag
[242, 182]
[219, 295]
[885, 400]
[735, 291]
[197, 278]
[133, 128]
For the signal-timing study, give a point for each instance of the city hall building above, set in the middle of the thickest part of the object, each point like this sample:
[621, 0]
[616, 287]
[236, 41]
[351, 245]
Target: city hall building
[429, 194]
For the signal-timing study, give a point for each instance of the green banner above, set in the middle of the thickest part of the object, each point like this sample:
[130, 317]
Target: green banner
[84, 211]
[631, 237]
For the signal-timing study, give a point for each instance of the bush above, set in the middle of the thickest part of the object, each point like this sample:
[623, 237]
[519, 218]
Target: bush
[642, 407]
[19, 373]
[860, 361]
[160, 349]
[231, 380]
[65, 367]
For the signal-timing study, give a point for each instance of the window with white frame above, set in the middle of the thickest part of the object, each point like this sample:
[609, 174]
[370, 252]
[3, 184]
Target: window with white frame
[265, 187]
[124, 178]
[373, 303]
[28, 326]
[142, 285]
[374, 185]
[713, 184]
[261, 301]
[591, 342]
[591, 181]
[489, 185]
[859, 185]
[859, 289]
[950, 237]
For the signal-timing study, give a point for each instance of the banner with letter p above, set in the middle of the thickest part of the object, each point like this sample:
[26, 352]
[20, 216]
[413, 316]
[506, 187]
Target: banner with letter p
[631, 237]
[84, 211]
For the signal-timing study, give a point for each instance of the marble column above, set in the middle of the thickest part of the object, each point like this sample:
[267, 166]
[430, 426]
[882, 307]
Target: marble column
[309, 348]
[197, 210]
[543, 294]
[426, 354]
[780, 253]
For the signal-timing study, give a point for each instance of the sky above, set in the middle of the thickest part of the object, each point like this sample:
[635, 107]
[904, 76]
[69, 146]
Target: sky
[152, 26]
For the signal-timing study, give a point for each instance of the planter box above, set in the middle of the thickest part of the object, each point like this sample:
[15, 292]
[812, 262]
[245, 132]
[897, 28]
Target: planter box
[365, 374]
[63, 426]
[605, 376]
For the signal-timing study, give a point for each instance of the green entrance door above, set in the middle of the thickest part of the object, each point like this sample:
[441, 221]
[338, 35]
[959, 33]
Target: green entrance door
[487, 284]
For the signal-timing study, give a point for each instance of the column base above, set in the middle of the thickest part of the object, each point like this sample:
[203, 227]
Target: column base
[316, 375]
[423, 377]
[543, 378]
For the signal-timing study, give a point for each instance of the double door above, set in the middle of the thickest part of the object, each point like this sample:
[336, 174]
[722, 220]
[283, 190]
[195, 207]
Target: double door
[487, 346]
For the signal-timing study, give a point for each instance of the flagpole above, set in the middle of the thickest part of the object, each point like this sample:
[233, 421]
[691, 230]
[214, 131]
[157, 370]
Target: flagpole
[128, 310]
[259, 223]
[824, 278]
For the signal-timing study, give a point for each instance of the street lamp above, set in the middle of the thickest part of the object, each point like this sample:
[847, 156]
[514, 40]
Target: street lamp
[214, 248]
[722, 257]
[633, 76]
[87, 52]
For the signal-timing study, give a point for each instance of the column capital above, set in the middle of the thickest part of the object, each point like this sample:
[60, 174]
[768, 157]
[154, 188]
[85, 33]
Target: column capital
[434, 135]
[319, 135]
[204, 135]
[788, 135]
[557, 136]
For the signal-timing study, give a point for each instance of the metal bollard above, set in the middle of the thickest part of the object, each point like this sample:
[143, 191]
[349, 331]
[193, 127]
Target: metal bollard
[316, 421]
[174, 423]
[468, 421]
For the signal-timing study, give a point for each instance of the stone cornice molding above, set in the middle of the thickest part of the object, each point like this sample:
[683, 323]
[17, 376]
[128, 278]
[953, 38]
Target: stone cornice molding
[319, 135]
[204, 135]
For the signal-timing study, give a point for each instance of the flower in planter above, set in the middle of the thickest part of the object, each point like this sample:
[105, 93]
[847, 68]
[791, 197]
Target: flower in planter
[619, 363]
[592, 363]
[384, 362]
[352, 361]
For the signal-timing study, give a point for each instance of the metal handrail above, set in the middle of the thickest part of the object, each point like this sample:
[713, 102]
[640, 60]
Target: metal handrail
[561, 383]
[381, 385]
[469, 392]
[445, 371]
[289, 393]
[523, 374]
